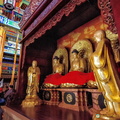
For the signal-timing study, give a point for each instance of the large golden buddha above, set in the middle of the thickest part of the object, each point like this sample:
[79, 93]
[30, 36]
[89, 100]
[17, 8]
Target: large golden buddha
[78, 74]
[107, 77]
[78, 62]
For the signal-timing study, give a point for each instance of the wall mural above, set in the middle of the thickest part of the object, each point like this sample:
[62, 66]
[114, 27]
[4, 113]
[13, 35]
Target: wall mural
[85, 31]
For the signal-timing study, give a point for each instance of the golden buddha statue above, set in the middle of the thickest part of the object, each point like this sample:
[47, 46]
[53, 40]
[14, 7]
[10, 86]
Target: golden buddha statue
[79, 73]
[57, 66]
[78, 63]
[32, 98]
[58, 70]
[60, 67]
[107, 77]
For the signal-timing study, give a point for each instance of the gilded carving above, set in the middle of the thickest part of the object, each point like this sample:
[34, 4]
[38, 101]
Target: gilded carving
[69, 85]
[116, 50]
[114, 44]
[111, 36]
[69, 98]
[107, 14]
[49, 85]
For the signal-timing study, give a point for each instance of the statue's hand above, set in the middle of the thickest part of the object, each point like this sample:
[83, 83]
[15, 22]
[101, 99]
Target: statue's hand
[34, 75]
[81, 69]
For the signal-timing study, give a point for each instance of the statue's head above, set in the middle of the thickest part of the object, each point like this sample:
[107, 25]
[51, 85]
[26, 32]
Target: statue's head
[75, 52]
[99, 35]
[56, 58]
[81, 53]
[34, 63]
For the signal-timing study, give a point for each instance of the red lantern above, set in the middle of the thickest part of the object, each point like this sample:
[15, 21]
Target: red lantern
[9, 4]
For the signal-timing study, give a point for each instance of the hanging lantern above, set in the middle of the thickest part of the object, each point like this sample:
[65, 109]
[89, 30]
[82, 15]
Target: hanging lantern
[9, 4]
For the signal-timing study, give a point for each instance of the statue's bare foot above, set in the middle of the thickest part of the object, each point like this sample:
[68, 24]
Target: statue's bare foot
[107, 112]
[116, 115]
[104, 111]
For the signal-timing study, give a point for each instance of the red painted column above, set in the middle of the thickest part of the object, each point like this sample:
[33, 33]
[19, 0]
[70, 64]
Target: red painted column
[116, 14]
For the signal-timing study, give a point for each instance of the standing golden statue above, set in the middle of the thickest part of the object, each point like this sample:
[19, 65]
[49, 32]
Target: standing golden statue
[32, 98]
[107, 77]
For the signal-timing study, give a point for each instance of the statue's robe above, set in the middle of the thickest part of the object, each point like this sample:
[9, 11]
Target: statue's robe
[105, 71]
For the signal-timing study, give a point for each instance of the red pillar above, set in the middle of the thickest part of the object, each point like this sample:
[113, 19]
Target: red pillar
[116, 14]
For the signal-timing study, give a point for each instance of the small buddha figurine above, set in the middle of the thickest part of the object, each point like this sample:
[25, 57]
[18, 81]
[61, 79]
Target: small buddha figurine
[58, 70]
[32, 98]
[57, 66]
[107, 77]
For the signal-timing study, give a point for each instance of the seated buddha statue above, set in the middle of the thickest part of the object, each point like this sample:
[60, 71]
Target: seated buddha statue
[60, 65]
[52, 80]
[57, 66]
[107, 77]
[78, 63]
[77, 76]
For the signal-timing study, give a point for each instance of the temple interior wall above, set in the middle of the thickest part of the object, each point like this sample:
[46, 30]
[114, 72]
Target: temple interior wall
[85, 31]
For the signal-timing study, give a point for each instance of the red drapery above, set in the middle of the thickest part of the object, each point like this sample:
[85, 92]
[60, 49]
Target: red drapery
[75, 77]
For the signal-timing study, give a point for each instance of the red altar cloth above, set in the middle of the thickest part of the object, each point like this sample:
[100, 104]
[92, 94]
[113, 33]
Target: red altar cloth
[75, 77]
[53, 79]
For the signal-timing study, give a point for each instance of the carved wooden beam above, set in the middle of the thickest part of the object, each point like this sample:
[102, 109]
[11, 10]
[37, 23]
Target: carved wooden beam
[34, 7]
[107, 14]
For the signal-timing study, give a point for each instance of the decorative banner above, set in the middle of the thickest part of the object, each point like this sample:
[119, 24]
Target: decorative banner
[9, 22]
[14, 64]
[2, 42]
